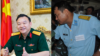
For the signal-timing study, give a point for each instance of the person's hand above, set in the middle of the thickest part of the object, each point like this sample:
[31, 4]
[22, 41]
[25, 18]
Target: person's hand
[4, 52]
[24, 52]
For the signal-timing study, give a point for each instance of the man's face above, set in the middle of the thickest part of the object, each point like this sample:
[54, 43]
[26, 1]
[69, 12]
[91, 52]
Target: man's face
[60, 16]
[23, 25]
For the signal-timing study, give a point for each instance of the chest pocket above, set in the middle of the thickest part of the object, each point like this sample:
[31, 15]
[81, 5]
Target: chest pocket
[79, 41]
[18, 50]
[32, 48]
[65, 36]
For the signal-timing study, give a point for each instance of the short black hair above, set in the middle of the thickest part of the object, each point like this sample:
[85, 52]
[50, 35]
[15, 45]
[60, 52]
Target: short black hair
[91, 8]
[23, 15]
[64, 5]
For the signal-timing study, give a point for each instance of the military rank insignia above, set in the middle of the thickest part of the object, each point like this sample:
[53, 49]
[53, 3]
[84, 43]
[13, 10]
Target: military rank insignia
[36, 33]
[84, 17]
[31, 45]
[16, 33]
[75, 22]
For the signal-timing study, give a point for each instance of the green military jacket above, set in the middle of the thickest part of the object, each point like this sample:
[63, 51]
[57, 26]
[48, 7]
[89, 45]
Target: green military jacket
[35, 42]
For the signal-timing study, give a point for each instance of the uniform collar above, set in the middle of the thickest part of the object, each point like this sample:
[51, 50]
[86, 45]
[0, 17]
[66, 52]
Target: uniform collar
[29, 34]
[75, 19]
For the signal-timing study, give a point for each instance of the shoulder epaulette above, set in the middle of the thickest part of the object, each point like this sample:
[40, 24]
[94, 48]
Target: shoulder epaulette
[36, 33]
[84, 17]
[16, 33]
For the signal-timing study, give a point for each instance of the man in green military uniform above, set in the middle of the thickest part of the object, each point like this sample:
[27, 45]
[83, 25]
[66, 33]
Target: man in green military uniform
[26, 42]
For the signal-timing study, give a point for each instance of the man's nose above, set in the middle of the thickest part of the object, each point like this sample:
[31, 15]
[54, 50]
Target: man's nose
[21, 25]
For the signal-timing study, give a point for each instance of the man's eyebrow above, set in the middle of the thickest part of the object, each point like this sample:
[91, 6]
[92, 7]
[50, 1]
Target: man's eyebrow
[24, 21]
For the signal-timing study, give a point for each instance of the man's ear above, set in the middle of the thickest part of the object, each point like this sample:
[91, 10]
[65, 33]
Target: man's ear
[66, 11]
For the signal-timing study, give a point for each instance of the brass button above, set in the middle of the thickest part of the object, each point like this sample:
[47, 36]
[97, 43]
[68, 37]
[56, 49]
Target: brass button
[24, 41]
[31, 49]
[71, 39]
[70, 47]
[70, 30]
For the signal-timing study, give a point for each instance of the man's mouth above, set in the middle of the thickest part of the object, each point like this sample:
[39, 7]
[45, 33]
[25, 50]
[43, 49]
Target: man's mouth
[22, 29]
